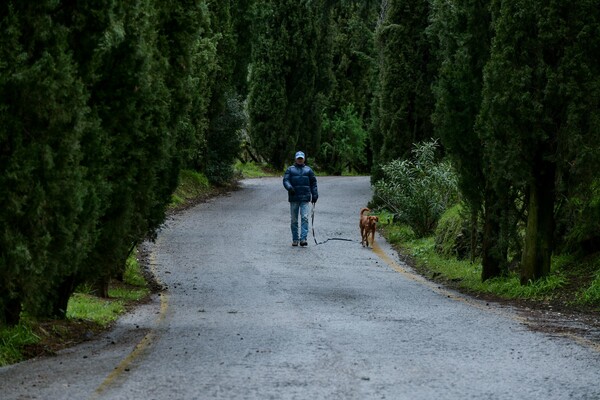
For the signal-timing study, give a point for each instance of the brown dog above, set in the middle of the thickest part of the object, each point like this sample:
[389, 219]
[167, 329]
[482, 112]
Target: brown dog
[368, 224]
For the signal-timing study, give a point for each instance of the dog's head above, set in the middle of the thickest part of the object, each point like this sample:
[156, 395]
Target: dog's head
[373, 219]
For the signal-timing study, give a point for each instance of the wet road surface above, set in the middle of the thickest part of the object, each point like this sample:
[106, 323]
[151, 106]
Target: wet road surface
[248, 316]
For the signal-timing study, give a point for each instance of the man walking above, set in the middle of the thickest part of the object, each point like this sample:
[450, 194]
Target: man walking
[301, 183]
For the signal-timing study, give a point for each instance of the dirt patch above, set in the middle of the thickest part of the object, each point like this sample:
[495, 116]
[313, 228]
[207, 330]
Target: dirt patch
[56, 335]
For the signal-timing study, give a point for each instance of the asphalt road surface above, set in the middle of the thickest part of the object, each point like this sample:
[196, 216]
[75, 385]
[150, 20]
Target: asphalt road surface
[248, 316]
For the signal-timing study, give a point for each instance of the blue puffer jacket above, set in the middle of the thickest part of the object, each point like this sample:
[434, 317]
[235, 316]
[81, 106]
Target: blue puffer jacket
[301, 183]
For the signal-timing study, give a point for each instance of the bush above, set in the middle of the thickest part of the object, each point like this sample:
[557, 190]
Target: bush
[418, 191]
[453, 235]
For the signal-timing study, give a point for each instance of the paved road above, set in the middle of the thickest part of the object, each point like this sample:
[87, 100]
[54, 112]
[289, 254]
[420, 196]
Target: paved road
[247, 316]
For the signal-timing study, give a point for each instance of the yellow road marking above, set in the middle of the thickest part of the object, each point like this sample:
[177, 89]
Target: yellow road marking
[473, 302]
[139, 348]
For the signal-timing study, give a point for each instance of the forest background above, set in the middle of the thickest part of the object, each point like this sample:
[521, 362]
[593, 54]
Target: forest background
[489, 108]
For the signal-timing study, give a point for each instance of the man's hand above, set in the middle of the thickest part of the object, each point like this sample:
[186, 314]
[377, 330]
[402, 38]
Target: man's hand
[292, 191]
[314, 201]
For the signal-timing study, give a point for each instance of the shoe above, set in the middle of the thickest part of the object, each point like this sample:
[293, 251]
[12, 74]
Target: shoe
[295, 243]
[303, 243]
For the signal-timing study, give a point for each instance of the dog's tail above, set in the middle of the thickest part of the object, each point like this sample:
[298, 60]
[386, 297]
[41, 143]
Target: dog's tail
[363, 210]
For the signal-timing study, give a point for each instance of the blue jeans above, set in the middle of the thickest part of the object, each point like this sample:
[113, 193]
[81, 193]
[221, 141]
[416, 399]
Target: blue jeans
[296, 207]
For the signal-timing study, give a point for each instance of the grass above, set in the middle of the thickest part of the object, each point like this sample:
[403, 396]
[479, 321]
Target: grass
[466, 276]
[86, 314]
[191, 185]
[253, 170]
[590, 295]
[101, 311]
[13, 340]
[104, 312]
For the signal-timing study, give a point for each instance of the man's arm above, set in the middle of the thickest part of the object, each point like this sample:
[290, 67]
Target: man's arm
[286, 180]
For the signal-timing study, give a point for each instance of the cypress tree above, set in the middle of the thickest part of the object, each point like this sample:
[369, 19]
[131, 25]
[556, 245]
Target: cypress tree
[539, 98]
[130, 99]
[406, 69]
[283, 112]
[49, 213]
[463, 32]
[186, 41]
[353, 56]
[241, 14]
[226, 109]
[347, 75]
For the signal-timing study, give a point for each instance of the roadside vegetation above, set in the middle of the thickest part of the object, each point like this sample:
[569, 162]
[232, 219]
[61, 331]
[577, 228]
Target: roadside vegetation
[570, 284]
[87, 315]
[431, 230]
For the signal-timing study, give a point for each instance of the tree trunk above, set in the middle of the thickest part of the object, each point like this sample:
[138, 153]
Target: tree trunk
[11, 311]
[61, 298]
[100, 286]
[493, 250]
[474, 218]
[537, 251]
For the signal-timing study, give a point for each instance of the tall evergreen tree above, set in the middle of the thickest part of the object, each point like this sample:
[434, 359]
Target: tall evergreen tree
[116, 46]
[353, 55]
[186, 40]
[283, 112]
[49, 212]
[347, 70]
[539, 98]
[463, 32]
[406, 69]
[226, 109]
[241, 14]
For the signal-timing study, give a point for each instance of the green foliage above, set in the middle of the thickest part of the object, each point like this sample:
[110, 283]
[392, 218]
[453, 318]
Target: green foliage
[191, 185]
[511, 287]
[452, 234]
[344, 141]
[49, 207]
[397, 233]
[350, 55]
[92, 308]
[252, 170]
[12, 340]
[226, 112]
[538, 111]
[133, 275]
[591, 295]
[189, 47]
[241, 14]
[404, 100]
[467, 275]
[462, 32]
[105, 311]
[102, 104]
[283, 101]
[418, 191]
[224, 141]
[580, 218]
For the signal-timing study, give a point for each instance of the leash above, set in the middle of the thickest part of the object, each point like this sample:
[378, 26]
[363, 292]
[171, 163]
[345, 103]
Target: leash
[312, 223]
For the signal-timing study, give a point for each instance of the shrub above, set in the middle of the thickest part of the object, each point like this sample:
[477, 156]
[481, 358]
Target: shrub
[418, 191]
